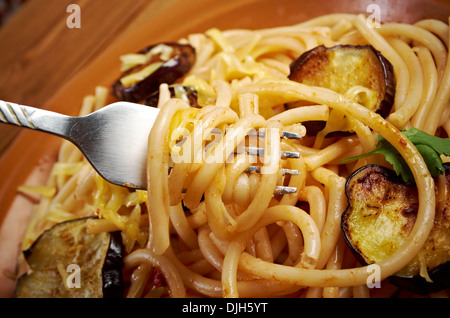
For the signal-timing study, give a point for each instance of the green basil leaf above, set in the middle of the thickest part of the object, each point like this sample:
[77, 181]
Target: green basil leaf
[432, 159]
[429, 146]
[418, 137]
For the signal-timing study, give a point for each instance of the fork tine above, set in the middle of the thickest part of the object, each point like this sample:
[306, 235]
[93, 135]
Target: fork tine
[290, 172]
[262, 133]
[284, 190]
[290, 135]
[290, 155]
[278, 190]
[284, 134]
[256, 169]
[255, 151]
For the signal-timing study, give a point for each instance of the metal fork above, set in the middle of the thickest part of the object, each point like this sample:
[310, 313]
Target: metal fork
[113, 139]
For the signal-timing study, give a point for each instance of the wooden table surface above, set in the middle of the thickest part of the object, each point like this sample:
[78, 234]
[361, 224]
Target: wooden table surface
[39, 52]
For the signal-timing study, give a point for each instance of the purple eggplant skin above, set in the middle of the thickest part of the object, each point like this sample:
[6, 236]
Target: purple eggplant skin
[313, 68]
[99, 257]
[401, 200]
[416, 284]
[182, 60]
[190, 92]
[372, 191]
[112, 275]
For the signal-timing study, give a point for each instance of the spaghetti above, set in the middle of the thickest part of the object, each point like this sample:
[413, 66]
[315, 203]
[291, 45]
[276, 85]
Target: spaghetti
[213, 230]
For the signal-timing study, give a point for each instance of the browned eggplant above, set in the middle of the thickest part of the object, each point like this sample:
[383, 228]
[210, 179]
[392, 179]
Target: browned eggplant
[341, 68]
[166, 63]
[186, 93]
[67, 262]
[382, 211]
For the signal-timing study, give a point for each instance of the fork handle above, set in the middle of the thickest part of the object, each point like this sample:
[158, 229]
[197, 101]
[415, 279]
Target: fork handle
[34, 118]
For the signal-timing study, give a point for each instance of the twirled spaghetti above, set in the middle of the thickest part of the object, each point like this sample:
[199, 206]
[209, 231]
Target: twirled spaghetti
[210, 228]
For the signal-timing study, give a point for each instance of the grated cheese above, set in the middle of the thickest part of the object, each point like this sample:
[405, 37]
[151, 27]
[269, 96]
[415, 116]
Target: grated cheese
[134, 59]
[141, 75]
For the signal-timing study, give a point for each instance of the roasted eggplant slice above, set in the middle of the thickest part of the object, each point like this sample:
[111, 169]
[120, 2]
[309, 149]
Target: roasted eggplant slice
[344, 68]
[66, 262]
[145, 71]
[381, 213]
[186, 93]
